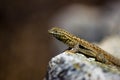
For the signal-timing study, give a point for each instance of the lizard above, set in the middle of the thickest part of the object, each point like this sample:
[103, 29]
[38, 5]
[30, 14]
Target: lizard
[83, 46]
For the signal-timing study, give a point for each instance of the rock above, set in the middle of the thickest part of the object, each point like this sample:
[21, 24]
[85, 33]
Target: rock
[69, 66]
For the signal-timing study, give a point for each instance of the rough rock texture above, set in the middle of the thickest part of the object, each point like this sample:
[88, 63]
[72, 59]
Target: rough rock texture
[68, 66]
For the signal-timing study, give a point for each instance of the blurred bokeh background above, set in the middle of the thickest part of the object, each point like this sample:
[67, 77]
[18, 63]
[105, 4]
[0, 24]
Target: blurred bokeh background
[25, 45]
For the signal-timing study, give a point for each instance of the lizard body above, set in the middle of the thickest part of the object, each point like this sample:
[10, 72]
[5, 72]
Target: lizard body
[84, 46]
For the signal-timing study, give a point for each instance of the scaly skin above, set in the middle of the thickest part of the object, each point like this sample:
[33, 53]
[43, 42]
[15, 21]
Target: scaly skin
[84, 46]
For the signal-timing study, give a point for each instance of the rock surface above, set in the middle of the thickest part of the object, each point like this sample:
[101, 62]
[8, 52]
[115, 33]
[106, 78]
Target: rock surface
[69, 66]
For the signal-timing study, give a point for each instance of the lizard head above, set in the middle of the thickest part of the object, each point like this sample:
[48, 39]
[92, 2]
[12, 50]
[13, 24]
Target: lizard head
[62, 35]
[58, 33]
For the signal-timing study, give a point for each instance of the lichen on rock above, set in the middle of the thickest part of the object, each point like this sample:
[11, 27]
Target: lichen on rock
[69, 66]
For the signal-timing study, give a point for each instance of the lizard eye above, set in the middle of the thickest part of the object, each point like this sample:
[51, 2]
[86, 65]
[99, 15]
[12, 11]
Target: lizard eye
[55, 31]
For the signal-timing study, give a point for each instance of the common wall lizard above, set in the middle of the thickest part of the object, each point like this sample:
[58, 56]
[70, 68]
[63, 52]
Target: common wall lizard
[84, 46]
